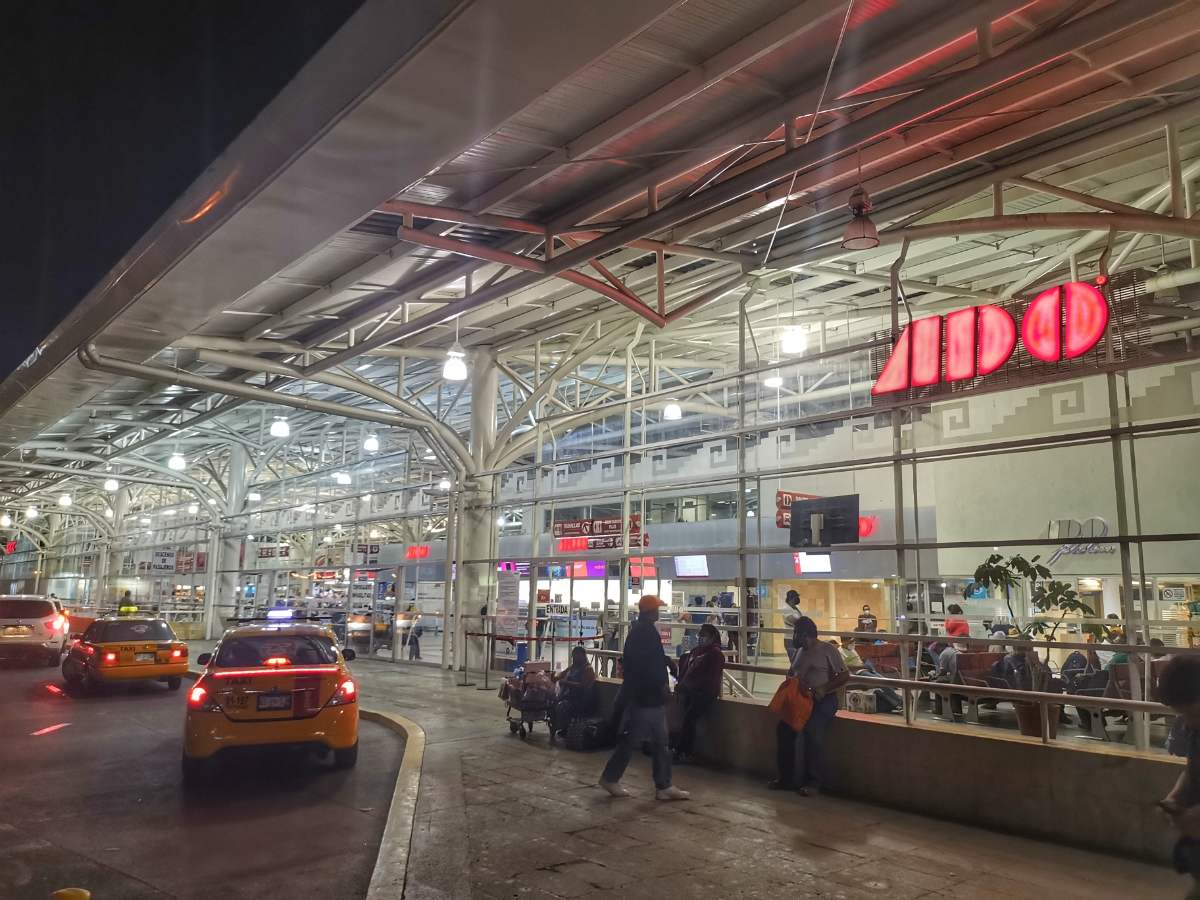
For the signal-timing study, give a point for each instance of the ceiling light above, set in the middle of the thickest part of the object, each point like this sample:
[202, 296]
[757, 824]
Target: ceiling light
[193, 508]
[501, 521]
[672, 411]
[31, 512]
[280, 428]
[793, 340]
[374, 533]
[444, 484]
[176, 463]
[342, 477]
[249, 537]
[455, 366]
[64, 500]
[111, 485]
[108, 513]
[212, 502]
[750, 514]
[429, 455]
[168, 512]
[254, 496]
[875, 584]
[5, 521]
[145, 520]
[861, 233]
[371, 444]
[773, 379]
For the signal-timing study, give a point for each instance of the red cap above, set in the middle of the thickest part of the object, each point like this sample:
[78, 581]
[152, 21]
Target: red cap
[649, 602]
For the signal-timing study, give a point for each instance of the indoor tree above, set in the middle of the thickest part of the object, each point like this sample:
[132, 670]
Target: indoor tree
[1045, 597]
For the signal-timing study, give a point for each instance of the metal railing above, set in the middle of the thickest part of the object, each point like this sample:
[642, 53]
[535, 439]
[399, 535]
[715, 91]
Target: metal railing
[912, 689]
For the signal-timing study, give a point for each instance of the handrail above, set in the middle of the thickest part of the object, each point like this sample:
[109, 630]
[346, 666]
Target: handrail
[965, 690]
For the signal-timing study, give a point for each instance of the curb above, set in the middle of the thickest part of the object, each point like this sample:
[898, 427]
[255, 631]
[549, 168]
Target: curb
[391, 864]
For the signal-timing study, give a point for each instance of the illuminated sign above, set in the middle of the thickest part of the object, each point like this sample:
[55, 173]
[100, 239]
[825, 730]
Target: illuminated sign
[417, 551]
[10, 548]
[1063, 322]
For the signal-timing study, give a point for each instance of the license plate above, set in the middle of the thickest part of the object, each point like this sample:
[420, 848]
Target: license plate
[143, 657]
[17, 630]
[274, 701]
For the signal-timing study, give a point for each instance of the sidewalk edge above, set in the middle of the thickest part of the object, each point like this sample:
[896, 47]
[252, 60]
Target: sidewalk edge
[391, 865]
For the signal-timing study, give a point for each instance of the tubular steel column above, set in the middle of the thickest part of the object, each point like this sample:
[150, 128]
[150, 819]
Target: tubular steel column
[480, 536]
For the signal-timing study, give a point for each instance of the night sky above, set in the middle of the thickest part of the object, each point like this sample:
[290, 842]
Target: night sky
[110, 110]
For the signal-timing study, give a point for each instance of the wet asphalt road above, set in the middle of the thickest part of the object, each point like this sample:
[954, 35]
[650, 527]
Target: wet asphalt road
[99, 803]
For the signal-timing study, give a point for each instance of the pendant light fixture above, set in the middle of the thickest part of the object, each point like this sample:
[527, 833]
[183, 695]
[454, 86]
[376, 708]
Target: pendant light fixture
[455, 366]
[177, 462]
[773, 379]
[65, 500]
[112, 485]
[31, 512]
[371, 443]
[672, 412]
[5, 521]
[861, 233]
[280, 428]
[793, 340]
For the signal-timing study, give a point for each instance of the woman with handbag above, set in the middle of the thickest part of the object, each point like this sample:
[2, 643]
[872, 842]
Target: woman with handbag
[816, 674]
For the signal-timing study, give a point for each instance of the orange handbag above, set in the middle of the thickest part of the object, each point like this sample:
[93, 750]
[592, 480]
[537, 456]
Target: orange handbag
[792, 704]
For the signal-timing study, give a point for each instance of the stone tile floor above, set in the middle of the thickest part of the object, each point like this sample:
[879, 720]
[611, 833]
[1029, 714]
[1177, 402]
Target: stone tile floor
[501, 818]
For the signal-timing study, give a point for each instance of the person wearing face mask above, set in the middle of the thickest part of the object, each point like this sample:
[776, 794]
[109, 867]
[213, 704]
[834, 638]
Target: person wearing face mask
[867, 620]
[700, 673]
[821, 672]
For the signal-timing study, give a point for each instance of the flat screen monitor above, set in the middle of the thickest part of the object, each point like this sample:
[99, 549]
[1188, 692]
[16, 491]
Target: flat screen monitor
[691, 567]
[839, 523]
[813, 563]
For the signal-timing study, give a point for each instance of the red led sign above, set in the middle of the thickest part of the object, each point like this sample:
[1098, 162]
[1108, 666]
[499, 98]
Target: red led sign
[417, 551]
[1063, 322]
[10, 548]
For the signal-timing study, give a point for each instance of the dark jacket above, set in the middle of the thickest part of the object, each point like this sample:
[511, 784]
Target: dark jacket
[700, 670]
[645, 666]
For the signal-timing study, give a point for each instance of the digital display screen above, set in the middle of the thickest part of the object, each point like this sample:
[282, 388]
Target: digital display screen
[813, 563]
[691, 567]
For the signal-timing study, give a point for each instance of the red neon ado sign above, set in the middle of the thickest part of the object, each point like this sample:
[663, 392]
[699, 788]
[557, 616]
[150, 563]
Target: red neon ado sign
[1063, 322]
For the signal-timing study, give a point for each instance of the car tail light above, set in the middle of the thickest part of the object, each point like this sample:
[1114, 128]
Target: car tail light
[277, 661]
[58, 623]
[347, 692]
[176, 653]
[199, 698]
[110, 657]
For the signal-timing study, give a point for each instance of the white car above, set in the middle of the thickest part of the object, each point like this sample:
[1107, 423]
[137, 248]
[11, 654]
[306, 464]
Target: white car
[32, 627]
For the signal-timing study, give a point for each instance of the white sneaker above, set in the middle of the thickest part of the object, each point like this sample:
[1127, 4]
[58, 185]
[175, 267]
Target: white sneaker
[613, 788]
[672, 793]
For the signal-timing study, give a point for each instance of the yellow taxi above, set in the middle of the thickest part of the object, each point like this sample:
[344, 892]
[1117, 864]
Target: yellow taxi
[126, 648]
[272, 683]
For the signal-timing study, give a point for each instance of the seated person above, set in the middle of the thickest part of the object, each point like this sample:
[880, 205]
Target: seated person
[699, 686]
[947, 663]
[576, 691]
[849, 656]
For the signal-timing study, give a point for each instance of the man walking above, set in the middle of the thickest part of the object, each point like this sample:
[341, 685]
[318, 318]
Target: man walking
[644, 693]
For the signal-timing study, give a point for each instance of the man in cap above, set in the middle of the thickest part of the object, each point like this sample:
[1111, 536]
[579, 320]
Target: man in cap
[644, 693]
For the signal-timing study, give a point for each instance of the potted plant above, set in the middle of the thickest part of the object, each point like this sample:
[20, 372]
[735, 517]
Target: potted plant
[1046, 597]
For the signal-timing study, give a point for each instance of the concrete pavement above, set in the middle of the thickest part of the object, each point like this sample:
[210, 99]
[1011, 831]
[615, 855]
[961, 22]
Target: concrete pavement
[500, 818]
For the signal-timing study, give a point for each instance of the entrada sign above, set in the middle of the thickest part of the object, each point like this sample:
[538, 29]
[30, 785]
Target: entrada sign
[1063, 322]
